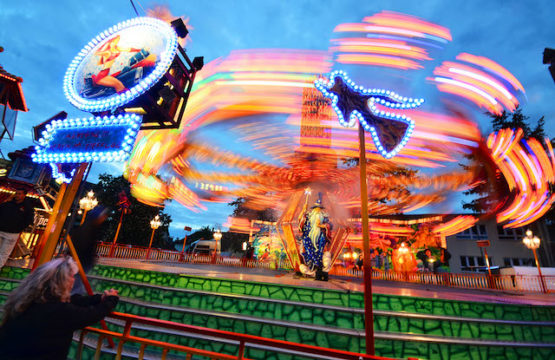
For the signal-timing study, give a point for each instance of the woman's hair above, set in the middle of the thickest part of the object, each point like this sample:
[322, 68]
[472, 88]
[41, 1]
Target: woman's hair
[48, 282]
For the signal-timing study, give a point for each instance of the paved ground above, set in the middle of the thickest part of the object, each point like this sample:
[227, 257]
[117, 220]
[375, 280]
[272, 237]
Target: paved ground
[339, 283]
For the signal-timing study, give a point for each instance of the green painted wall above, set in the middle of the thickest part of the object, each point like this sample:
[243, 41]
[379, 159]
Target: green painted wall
[345, 319]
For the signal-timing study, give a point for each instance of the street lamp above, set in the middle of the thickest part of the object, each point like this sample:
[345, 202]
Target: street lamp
[87, 203]
[217, 237]
[154, 224]
[403, 249]
[532, 243]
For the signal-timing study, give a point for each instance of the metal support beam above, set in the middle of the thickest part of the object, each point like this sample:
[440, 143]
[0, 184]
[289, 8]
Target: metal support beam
[368, 312]
[51, 235]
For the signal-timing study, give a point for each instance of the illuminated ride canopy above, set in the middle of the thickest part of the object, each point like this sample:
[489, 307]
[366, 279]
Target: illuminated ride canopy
[255, 127]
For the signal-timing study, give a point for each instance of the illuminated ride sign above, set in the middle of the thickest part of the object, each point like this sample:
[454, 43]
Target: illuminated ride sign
[74, 141]
[120, 64]
[390, 130]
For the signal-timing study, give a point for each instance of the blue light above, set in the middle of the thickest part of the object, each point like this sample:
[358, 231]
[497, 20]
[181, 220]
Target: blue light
[124, 124]
[385, 98]
[117, 100]
[60, 175]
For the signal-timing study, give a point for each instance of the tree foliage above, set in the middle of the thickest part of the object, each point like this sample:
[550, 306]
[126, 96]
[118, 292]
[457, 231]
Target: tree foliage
[486, 191]
[242, 211]
[517, 120]
[204, 233]
[135, 228]
[394, 192]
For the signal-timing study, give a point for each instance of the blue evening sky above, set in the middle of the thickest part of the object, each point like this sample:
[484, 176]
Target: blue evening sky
[41, 38]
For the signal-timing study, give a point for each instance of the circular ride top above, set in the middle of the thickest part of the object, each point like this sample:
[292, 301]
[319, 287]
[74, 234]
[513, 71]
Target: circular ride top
[120, 64]
[280, 135]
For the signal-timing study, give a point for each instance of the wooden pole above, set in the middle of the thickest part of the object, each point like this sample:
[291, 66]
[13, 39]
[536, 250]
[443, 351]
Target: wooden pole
[117, 234]
[487, 261]
[368, 312]
[84, 216]
[184, 242]
[85, 281]
[542, 282]
[150, 243]
[63, 204]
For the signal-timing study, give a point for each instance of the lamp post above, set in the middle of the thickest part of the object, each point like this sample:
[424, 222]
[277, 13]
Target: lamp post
[532, 243]
[154, 224]
[217, 237]
[86, 204]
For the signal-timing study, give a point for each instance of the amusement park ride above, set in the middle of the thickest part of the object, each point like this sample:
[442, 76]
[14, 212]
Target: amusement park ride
[133, 76]
[323, 180]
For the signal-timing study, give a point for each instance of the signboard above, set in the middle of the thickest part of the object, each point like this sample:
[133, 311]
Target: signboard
[105, 139]
[120, 64]
[26, 171]
[40, 219]
[316, 111]
[482, 243]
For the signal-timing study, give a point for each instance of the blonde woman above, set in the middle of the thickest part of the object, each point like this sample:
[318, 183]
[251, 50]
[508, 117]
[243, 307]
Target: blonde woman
[40, 316]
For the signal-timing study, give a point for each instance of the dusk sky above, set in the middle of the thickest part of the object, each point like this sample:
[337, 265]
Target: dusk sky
[40, 39]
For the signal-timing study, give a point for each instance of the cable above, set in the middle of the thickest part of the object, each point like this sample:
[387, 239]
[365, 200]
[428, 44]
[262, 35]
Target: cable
[134, 8]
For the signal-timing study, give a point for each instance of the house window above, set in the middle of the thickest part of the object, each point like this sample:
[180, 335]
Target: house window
[477, 232]
[510, 234]
[510, 262]
[475, 263]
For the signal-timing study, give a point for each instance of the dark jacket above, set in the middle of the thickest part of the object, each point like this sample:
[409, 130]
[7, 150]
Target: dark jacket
[44, 331]
[85, 238]
[14, 217]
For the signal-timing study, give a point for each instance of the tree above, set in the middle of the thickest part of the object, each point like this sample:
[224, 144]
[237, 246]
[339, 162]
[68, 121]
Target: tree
[204, 233]
[233, 242]
[518, 120]
[135, 228]
[490, 182]
[242, 211]
[385, 169]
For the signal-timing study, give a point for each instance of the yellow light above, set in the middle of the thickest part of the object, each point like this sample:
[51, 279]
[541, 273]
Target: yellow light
[155, 223]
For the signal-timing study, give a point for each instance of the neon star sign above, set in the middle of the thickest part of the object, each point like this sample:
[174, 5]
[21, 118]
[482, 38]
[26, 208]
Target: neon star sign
[390, 130]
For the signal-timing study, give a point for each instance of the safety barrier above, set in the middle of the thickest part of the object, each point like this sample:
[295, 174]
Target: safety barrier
[242, 341]
[138, 252]
[524, 283]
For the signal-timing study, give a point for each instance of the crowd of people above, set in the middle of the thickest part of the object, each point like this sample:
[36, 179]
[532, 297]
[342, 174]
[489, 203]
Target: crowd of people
[425, 260]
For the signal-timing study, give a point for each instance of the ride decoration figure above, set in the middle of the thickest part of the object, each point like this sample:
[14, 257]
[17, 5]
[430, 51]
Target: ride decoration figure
[124, 76]
[315, 229]
[123, 205]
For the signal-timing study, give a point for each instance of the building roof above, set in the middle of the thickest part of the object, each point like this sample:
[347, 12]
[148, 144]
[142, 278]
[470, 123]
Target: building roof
[11, 93]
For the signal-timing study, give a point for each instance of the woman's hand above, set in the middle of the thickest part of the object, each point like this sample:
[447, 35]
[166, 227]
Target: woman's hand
[111, 292]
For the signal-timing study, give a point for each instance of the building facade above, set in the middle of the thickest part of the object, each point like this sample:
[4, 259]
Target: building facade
[506, 248]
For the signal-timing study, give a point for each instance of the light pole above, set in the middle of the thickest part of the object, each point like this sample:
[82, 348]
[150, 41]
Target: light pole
[154, 224]
[217, 237]
[86, 204]
[533, 242]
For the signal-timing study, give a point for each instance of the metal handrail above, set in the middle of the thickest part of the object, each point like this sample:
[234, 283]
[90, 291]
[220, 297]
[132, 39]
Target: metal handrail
[243, 341]
[521, 283]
